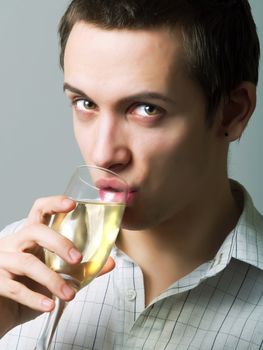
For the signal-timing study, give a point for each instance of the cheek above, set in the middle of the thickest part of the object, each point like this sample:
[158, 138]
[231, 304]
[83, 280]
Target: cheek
[83, 140]
[176, 156]
[164, 148]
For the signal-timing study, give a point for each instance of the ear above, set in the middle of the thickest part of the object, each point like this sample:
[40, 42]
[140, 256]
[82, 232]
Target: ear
[237, 110]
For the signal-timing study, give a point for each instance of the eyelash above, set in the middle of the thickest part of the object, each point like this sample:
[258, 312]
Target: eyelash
[159, 110]
[75, 101]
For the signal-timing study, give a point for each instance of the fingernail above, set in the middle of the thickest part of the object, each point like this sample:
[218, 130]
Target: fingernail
[74, 254]
[67, 202]
[67, 291]
[47, 304]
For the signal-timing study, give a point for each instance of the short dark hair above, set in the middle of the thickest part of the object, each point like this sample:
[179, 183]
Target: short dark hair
[220, 38]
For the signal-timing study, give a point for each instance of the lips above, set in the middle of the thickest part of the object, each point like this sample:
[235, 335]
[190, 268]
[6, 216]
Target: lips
[114, 190]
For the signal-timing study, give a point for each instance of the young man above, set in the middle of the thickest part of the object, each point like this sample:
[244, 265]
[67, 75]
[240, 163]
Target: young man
[159, 89]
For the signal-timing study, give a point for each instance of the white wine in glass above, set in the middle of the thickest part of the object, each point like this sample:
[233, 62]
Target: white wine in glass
[92, 226]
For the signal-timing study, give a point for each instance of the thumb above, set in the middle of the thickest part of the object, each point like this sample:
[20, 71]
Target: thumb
[109, 266]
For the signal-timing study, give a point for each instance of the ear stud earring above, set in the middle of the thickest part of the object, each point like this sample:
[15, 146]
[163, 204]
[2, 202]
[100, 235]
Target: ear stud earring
[226, 134]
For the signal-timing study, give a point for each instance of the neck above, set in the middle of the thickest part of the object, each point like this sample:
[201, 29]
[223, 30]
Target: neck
[188, 239]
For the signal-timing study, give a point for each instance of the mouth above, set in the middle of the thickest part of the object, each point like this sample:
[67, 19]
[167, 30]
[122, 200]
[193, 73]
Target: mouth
[115, 191]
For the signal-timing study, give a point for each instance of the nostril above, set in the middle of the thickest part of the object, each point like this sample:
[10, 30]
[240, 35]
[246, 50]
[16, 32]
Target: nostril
[114, 155]
[117, 167]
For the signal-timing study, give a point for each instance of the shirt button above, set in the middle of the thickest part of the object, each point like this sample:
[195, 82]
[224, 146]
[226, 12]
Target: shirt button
[131, 294]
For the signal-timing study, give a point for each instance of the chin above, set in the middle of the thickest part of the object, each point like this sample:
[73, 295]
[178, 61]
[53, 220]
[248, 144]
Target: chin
[135, 221]
[133, 226]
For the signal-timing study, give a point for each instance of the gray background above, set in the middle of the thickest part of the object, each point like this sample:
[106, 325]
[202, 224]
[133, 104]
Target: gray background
[37, 148]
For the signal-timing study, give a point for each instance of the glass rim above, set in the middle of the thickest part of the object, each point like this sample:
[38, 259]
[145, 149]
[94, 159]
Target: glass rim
[82, 172]
[79, 167]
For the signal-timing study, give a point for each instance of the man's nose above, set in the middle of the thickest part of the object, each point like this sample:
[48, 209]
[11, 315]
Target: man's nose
[111, 149]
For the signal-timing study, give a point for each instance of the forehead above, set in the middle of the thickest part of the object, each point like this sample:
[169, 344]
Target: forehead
[128, 55]
[159, 36]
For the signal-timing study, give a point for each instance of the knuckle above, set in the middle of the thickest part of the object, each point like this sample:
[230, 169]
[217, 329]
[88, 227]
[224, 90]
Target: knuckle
[13, 289]
[58, 280]
[54, 282]
[35, 226]
[65, 243]
[24, 237]
[39, 203]
[5, 275]
[28, 260]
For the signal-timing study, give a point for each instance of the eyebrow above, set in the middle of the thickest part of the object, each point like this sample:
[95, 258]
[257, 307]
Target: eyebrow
[140, 96]
[71, 88]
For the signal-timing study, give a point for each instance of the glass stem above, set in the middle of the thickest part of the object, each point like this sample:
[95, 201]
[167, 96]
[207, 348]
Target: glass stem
[54, 316]
[50, 325]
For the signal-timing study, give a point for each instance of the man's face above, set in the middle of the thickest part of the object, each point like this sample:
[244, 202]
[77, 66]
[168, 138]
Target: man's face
[137, 113]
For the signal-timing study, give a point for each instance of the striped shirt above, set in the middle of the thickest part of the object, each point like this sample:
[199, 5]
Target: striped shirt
[217, 306]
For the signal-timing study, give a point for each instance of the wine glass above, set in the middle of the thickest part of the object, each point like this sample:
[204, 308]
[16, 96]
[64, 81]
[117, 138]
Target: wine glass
[93, 226]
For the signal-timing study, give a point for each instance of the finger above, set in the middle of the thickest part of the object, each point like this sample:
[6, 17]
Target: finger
[18, 292]
[24, 264]
[47, 238]
[44, 207]
[109, 266]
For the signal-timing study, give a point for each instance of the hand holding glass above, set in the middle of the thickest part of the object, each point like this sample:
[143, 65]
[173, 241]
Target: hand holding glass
[93, 226]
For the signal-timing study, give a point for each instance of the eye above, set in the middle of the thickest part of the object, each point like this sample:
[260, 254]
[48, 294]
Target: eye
[84, 105]
[147, 111]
